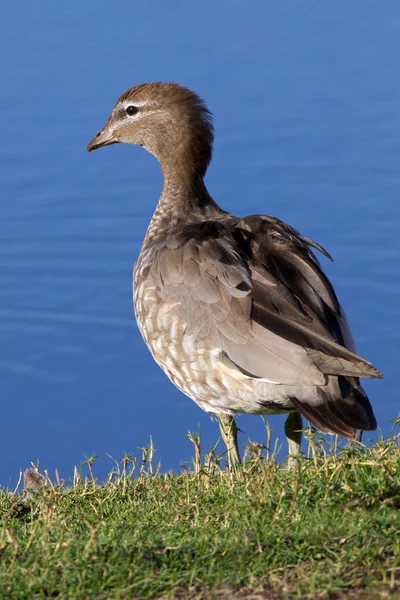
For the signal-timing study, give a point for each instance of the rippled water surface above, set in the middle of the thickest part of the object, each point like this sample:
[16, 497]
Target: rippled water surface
[306, 100]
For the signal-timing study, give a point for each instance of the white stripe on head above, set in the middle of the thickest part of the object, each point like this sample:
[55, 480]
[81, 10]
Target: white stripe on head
[139, 103]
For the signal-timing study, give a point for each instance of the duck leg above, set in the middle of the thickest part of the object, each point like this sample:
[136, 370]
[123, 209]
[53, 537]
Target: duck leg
[293, 431]
[229, 433]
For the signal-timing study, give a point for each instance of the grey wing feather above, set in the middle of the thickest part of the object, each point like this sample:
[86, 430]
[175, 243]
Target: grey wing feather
[271, 312]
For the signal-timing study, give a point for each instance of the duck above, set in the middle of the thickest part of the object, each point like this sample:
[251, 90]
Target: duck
[237, 311]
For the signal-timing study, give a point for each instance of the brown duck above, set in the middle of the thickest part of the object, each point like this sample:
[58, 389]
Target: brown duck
[236, 311]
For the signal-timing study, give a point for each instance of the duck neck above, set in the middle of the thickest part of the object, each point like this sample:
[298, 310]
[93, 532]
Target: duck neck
[184, 199]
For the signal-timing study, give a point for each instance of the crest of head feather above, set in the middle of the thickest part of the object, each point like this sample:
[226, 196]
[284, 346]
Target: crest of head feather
[191, 113]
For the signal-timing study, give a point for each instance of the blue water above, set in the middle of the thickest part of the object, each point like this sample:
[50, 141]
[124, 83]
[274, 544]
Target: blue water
[306, 100]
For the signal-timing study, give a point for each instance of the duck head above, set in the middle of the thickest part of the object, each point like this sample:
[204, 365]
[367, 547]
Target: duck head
[168, 120]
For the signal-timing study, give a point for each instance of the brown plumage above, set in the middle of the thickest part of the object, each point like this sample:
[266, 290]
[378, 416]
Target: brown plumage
[236, 311]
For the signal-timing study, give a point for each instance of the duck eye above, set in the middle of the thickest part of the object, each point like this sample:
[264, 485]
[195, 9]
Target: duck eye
[131, 110]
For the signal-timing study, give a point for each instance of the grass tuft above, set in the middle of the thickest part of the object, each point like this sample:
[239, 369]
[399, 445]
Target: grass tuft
[329, 528]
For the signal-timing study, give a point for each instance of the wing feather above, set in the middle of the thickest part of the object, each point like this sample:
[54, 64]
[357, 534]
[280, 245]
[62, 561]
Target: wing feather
[255, 287]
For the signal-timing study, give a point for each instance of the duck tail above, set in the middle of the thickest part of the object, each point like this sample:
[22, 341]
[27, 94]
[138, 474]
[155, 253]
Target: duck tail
[341, 407]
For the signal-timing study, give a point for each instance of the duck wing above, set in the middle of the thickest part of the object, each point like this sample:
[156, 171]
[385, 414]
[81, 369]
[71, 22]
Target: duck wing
[254, 288]
[320, 324]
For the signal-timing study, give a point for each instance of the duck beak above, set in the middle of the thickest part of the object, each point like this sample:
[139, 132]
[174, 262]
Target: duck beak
[103, 138]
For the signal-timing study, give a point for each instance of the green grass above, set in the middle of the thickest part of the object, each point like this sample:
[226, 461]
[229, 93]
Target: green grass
[330, 528]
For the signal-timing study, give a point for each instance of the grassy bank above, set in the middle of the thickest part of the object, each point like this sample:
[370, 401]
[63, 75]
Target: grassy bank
[330, 528]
